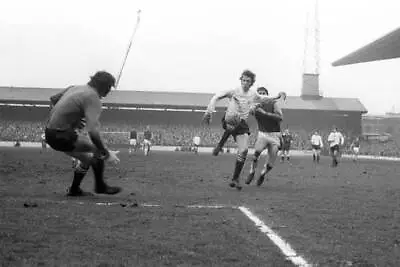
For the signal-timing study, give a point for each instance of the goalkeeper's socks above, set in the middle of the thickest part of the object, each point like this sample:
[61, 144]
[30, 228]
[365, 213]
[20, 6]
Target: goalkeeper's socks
[100, 186]
[98, 171]
[79, 174]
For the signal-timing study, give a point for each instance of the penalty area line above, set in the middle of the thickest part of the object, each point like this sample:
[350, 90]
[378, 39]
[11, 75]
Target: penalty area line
[148, 205]
[284, 246]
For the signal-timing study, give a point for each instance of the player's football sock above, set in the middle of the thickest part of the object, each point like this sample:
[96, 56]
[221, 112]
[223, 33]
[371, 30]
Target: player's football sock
[238, 169]
[313, 156]
[221, 143]
[98, 171]
[334, 162]
[100, 185]
[282, 159]
[253, 167]
[261, 179]
[79, 174]
[250, 177]
[318, 158]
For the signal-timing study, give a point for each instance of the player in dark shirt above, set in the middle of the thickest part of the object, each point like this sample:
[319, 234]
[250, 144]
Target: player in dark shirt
[286, 143]
[269, 116]
[132, 141]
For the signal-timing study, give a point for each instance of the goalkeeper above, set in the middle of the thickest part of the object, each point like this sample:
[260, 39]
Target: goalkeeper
[242, 101]
[69, 108]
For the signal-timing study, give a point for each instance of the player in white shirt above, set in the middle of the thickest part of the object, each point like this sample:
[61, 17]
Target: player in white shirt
[317, 145]
[196, 144]
[242, 101]
[335, 140]
[43, 141]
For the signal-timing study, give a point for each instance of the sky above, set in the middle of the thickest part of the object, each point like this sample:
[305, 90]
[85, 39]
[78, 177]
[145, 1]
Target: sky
[199, 46]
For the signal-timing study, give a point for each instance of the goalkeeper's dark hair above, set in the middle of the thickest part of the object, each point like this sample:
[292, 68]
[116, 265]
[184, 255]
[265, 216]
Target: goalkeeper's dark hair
[249, 74]
[102, 80]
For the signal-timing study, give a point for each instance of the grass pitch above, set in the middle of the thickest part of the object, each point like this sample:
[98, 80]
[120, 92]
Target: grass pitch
[345, 216]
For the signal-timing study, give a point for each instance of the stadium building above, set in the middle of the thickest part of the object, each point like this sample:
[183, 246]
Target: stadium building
[307, 112]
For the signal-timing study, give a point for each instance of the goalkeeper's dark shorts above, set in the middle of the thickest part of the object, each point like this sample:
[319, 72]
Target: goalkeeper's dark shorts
[241, 128]
[61, 140]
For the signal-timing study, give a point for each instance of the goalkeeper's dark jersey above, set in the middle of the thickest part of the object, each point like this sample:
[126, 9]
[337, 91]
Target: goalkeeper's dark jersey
[133, 135]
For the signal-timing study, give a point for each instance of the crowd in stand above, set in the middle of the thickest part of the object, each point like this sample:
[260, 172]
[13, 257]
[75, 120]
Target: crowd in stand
[182, 136]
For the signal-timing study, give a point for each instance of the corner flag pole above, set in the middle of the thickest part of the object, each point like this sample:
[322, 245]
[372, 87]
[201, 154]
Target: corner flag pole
[129, 48]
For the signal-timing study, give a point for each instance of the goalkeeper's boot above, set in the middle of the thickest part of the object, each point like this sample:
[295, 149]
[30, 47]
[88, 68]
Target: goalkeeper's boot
[107, 190]
[78, 192]
[250, 177]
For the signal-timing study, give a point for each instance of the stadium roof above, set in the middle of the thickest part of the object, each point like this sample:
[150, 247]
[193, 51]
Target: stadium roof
[386, 47]
[155, 99]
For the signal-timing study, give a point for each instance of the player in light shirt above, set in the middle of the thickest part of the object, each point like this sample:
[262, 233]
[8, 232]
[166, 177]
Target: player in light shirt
[317, 145]
[335, 140]
[196, 144]
[242, 101]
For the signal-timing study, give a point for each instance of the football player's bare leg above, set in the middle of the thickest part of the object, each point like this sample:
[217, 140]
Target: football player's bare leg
[272, 156]
[260, 145]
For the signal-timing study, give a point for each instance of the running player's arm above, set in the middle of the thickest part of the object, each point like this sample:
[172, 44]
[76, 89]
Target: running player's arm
[218, 96]
[276, 115]
[92, 116]
[213, 102]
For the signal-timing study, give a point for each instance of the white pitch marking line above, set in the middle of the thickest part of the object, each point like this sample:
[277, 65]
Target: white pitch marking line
[157, 206]
[286, 249]
[209, 206]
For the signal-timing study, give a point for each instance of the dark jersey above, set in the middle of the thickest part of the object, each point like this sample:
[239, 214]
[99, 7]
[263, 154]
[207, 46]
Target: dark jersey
[147, 135]
[265, 123]
[286, 139]
[133, 135]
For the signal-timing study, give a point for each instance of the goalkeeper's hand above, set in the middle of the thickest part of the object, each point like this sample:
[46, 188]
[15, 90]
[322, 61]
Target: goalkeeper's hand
[112, 157]
[207, 117]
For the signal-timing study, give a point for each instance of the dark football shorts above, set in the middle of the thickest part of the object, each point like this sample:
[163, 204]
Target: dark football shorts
[285, 147]
[242, 128]
[316, 147]
[61, 140]
[334, 148]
